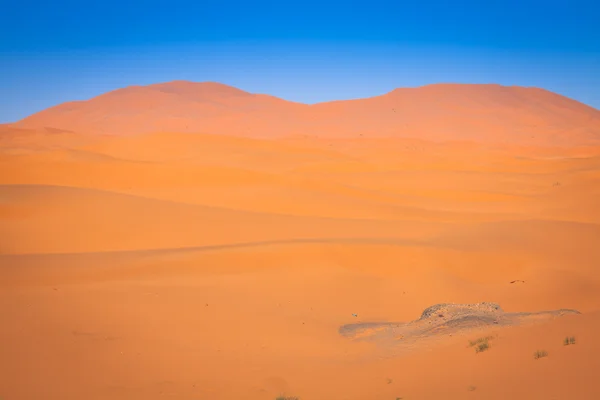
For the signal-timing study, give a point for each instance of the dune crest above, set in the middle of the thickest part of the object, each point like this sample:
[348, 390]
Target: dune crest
[441, 112]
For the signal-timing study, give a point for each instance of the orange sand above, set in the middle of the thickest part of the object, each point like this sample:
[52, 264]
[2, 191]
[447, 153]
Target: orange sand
[142, 265]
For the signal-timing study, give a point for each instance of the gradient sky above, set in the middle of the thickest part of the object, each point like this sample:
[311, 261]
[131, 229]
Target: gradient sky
[307, 51]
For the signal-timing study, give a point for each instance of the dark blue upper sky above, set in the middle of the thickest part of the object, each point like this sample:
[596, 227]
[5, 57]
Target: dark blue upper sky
[306, 51]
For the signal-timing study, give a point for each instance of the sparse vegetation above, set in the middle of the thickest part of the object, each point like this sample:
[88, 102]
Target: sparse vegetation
[569, 340]
[480, 340]
[287, 398]
[481, 344]
[540, 354]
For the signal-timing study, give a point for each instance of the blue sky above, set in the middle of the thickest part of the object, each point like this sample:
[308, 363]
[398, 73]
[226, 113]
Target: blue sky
[306, 51]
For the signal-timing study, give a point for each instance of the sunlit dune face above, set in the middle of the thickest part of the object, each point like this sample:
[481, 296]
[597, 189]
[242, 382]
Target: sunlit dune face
[475, 113]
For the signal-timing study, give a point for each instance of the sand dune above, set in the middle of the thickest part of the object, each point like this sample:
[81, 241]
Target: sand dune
[218, 256]
[481, 113]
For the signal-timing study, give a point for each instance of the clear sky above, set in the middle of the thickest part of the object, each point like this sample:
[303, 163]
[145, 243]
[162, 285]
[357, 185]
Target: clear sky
[307, 51]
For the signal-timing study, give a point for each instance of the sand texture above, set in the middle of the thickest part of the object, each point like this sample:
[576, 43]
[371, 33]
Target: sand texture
[193, 241]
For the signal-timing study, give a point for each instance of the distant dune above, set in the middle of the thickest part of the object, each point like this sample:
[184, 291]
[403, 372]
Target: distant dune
[440, 112]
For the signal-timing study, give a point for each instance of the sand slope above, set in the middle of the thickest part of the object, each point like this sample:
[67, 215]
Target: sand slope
[484, 113]
[178, 265]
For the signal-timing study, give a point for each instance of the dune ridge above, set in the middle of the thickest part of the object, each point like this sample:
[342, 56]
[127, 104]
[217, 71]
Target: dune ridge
[441, 112]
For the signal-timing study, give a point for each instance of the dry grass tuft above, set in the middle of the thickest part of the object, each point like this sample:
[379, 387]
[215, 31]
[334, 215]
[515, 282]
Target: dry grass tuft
[569, 340]
[481, 344]
[540, 354]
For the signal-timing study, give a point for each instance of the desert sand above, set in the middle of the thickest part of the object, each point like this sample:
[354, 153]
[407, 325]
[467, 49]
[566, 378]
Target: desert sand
[195, 241]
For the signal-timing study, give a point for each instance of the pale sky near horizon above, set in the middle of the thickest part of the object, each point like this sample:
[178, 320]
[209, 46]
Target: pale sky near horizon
[52, 52]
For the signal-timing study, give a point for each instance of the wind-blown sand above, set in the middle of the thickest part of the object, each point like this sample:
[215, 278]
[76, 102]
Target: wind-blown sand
[142, 265]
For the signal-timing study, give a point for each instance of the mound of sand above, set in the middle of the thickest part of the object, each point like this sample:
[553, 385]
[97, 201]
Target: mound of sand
[482, 113]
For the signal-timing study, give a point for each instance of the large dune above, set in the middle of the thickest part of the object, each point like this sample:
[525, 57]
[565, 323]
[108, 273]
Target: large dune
[482, 113]
[196, 241]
